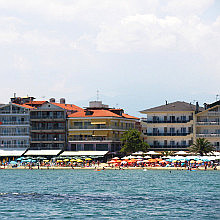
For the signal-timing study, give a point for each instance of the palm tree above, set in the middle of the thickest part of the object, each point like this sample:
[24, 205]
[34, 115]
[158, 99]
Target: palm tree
[201, 146]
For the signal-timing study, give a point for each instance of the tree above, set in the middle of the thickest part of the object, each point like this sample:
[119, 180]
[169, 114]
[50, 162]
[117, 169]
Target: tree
[132, 142]
[201, 146]
[167, 153]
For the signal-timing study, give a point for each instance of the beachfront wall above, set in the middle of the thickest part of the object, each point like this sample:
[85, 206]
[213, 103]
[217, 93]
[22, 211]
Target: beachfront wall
[208, 125]
[14, 126]
[97, 133]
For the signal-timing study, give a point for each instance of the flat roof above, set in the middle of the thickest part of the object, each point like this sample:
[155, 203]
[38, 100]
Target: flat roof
[84, 153]
[12, 153]
[42, 152]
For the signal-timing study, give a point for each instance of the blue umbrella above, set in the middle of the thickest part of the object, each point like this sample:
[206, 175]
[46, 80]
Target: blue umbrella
[13, 162]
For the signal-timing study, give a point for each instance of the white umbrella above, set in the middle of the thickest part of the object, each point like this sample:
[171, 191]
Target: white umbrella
[181, 153]
[152, 153]
[139, 157]
[147, 157]
[138, 153]
[130, 157]
[115, 158]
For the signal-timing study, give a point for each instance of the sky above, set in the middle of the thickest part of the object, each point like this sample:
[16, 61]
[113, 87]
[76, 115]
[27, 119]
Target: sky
[136, 53]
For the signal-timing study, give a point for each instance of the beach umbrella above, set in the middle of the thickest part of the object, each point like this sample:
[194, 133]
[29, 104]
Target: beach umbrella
[79, 161]
[88, 159]
[163, 161]
[59, 161]
[152, 153]
[138, 153]
[147, 157]
[72, 160]
[124, 162]
[152, 160]
[13, 162]
[66, 160]
[46, 160]
[181, 153]
[192, 161]
[112, 161]
[115, 158]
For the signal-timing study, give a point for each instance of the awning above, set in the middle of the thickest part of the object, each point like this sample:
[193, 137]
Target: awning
[42, 152]
[100, 133]
[12, 153]
[80, 132]
[98, 123]
[84, 153]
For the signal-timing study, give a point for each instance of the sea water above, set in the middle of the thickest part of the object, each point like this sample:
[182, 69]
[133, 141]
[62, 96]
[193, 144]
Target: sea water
[109, 194]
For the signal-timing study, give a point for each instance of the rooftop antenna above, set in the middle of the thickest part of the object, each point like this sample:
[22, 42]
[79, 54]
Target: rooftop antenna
[116, 105]
[217, 97]
[97, 95]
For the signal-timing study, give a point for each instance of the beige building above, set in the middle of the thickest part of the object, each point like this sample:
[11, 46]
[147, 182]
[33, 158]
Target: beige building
[207, 124]
[175, 126]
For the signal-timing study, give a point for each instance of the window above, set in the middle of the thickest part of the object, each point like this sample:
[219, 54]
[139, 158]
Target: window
[88, 147]
[102, 147]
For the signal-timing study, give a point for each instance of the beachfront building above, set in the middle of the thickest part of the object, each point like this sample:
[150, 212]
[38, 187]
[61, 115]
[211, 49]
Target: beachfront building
[14, 127]
[98, 128]
[49, 124]
[208, 124]
[170, 127]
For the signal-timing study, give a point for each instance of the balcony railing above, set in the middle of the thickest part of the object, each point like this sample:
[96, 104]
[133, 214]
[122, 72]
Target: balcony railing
[14, 112]
[213, 113]
[207, 135]
[208, 123]
[46, 117]
[14, 145]
[94, 139]
[40, 128]
[14, 134]
[15, 122]
[169, 146]
[47, 139]
[99, 127]
[167, 121]
[168, 134]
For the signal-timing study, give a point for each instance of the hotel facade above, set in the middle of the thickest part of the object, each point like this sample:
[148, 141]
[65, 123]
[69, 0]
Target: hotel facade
[175, 126]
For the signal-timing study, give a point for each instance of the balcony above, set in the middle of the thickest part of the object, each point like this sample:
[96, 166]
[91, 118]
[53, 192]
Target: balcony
[11, 123]
[98, 127]
[46, 117]
[167, 121]
[13, 134]
[205, 123]
[207, 135]
[213, 113]
[168, 134]
[170, 147]
[47, 140]
[14, 113]
[6, 146]
[93, 139]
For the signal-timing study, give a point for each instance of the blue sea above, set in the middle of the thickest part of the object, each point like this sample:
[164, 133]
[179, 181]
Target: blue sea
[109, 194]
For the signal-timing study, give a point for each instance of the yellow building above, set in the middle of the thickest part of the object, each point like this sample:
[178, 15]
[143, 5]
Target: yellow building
[98, 128]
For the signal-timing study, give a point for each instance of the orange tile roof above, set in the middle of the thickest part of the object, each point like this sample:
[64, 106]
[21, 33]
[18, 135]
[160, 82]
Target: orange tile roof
[96, 113]
[129, 116]
[69, 107]
[36, 102]
[24, 105]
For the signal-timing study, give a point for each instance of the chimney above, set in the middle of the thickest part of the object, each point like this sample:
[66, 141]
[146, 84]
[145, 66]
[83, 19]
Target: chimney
[205, 106]
[62, 101]
[166, 102]
[52, 100]
[197, 107]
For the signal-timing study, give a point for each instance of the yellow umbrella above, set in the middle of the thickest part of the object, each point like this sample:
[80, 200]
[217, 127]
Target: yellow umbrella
[79, 161]
[46, 160]
[88, 159]
[73, 160]
[192, 161]
[58, 161]
[65, 160]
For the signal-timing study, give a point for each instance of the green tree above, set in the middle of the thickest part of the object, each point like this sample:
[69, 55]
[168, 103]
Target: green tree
[132, 142]
[201, 146]
[167, 153]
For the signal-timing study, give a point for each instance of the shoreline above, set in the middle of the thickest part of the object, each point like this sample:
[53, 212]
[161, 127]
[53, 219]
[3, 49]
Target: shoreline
[106, 168]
